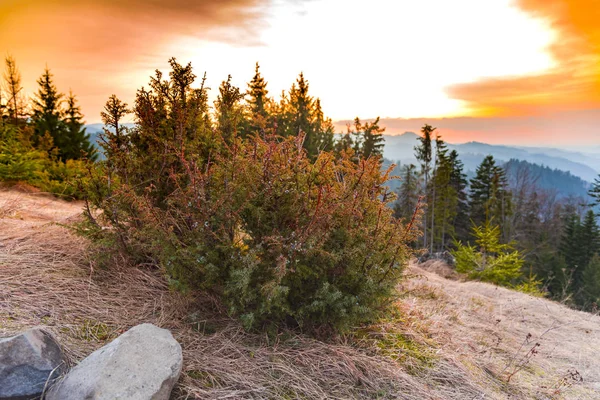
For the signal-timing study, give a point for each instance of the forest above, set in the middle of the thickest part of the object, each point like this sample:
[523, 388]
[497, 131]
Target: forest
[257, 200]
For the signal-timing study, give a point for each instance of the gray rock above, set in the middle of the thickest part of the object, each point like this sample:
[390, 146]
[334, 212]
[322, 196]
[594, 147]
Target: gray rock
[142, 364]
[27, 363]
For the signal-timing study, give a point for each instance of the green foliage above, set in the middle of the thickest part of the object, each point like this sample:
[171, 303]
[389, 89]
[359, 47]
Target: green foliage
[488, 260]
[282, 236]
[20, 162]
[531, 285]
[489, 196]
[579, 246]
[408, 193]
[590, 291]
[64, 126]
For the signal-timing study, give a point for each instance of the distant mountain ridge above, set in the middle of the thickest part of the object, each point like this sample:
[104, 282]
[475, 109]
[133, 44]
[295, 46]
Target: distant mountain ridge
[585, 166]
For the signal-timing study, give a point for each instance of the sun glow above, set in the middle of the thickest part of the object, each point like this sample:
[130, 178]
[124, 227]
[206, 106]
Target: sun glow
[384, 58]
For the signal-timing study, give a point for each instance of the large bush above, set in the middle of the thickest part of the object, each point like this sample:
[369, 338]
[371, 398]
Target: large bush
[282, 238]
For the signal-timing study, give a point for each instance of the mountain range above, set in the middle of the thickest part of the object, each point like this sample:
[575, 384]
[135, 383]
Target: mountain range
[400, 149]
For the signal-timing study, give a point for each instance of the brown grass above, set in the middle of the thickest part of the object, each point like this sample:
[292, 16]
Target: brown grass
[446, 339]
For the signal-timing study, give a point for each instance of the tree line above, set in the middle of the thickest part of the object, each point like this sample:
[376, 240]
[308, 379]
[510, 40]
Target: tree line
[508, 231]
[43, 140]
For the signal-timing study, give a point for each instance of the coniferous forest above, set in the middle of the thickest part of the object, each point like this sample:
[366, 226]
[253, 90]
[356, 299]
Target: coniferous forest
[258, 200]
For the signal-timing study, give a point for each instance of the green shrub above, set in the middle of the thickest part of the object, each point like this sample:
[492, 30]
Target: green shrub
[279, 237]
[489, 260]
[21, 162]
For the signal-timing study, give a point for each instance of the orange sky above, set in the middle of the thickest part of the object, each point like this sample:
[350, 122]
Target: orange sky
[520, 71]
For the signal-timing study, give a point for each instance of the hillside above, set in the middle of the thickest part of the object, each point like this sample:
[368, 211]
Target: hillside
[447, 339]
[563, 183]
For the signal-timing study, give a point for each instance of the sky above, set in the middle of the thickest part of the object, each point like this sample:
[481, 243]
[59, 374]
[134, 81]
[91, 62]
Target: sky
[497, 71]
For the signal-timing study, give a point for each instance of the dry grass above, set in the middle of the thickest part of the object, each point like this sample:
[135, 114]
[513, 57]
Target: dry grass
[447, 340]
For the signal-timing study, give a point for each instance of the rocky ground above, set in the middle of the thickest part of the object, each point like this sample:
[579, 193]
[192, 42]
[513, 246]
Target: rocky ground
[445, 339]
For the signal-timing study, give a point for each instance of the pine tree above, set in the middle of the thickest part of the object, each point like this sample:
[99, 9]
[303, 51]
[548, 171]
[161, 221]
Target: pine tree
[114, 112]
[489, 195]
[423, 153]
[570, 245]
[229, 113]
[590, 291]
[458, 181]
[15, 102]
[408, 193]
[78, 144]
[48, 113]
[301, 114]
[324, 129]
[440, 187]
[588, 244]
[258, 103]
[489, 259]
[594, 192]
[373, 141]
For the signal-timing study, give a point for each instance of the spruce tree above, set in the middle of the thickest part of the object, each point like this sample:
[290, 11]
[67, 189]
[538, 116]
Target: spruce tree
[48, 113]
[78, 144]
[229, 113]
[373, 141]
[408, 193]
[15, 102]
[257, 91]
[590, 291]
[458, 182]
[112, 115]
[423, 153]
[588, 244]
[258, 103]
[324, 129]
[301, 114]
[489, 195]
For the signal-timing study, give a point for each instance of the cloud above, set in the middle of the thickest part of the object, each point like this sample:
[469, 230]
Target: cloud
[116, 30]
[99, 47]
[573, 84]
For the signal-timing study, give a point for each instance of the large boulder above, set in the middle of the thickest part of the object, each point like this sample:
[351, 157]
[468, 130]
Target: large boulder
[142, 364]
[28, 363]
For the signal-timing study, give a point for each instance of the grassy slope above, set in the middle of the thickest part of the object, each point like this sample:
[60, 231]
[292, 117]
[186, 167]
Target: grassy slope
[445, 340]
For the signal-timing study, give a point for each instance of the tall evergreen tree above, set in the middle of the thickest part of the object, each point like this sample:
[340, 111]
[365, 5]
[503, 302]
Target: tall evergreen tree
[489, 195]
[408, 193]
[594, 192]
[229, 113]
[324, 129]
[589, 244]
[15, 103]
[458, 181]
[112, 115]
[258, 102]
[590, 291]
[78, 144]
[301, 114]
[48, 113]
[423, 153]
[373, 141]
